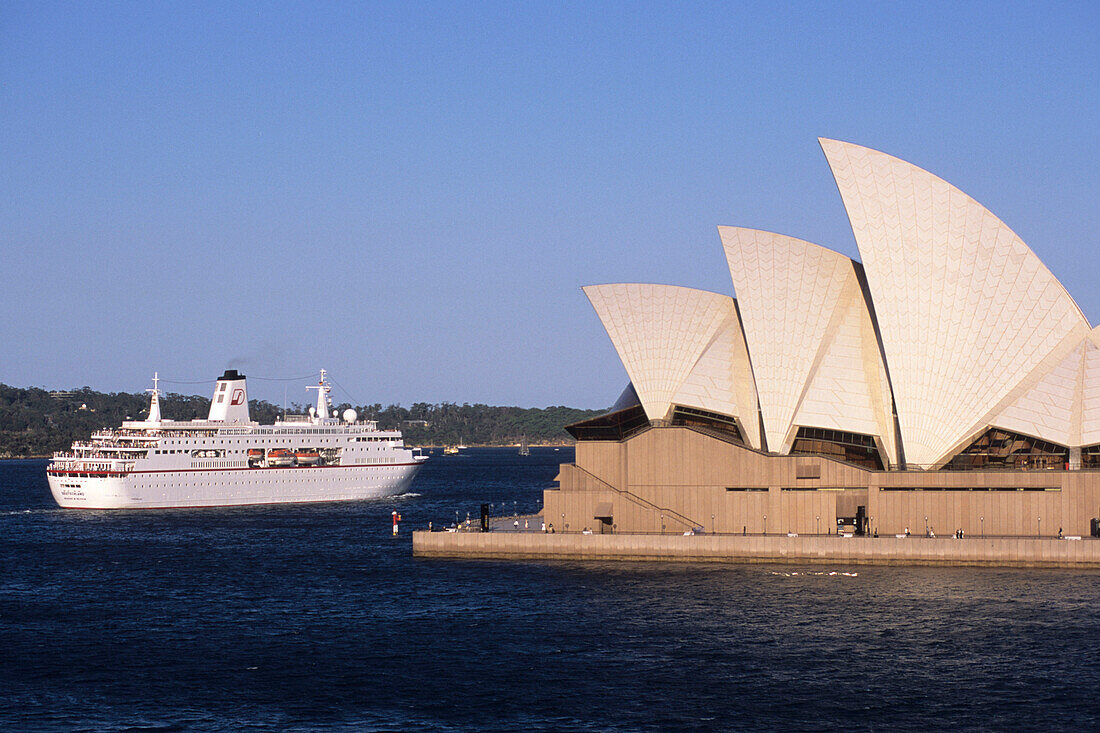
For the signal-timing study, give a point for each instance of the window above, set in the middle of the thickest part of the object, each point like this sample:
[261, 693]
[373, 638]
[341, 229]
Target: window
[855, 448]
[996, 448]
[611, 426]
[970, 488]
[1090, 456]
[693, 417]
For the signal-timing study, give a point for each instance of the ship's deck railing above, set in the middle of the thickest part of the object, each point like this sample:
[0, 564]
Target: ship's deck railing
[85, 451]
[112, 445]
[92, 466]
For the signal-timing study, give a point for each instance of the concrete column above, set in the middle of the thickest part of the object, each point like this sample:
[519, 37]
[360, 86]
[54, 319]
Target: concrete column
[1075, 459]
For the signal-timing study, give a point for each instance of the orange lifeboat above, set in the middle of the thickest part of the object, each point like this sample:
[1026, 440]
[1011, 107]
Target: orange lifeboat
[307, 457]
[280, 457]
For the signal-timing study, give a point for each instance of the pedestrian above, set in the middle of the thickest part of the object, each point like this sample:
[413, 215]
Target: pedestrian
[526, 526]
[515, 525]
[542, 527]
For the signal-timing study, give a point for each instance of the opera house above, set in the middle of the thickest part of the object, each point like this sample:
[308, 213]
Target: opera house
[945, 382]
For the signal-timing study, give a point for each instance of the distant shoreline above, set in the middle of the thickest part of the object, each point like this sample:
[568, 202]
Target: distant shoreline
[35, 423]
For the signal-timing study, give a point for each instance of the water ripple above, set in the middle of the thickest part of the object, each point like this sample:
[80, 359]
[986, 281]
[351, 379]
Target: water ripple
[314, 617]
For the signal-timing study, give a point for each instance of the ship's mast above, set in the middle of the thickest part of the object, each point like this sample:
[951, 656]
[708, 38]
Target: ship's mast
[154, 401]
[323, 400]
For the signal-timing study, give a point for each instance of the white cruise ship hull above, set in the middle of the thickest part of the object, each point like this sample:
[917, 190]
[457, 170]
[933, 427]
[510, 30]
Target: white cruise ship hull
[229, 487]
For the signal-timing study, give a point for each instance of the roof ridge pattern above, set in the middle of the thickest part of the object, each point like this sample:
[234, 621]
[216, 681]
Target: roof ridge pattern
[966, 309]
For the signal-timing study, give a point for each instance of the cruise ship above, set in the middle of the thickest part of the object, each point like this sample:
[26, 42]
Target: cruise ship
[229, 460]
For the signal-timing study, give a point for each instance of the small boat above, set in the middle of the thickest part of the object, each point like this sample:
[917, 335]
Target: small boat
[524, 449]
[450, 450]
[307, 457]
[280, 457]
[255, 455]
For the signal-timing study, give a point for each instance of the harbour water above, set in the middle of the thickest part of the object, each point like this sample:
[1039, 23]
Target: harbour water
[314, 617]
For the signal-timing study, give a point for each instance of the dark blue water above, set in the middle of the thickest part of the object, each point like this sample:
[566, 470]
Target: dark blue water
[314, 617]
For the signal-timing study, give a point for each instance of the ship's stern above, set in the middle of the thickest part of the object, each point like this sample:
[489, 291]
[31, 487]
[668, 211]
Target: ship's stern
[84, 491]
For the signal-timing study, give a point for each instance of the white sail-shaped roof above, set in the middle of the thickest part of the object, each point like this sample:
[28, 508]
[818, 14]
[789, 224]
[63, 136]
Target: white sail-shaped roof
[814, 353]
[1061, 402]
[660, 333]
[1090, 390]
[1049, 406]
[849, 389]
[721, 380]
[966, 311]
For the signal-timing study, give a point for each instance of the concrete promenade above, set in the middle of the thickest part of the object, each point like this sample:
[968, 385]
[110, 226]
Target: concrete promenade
[992, 552]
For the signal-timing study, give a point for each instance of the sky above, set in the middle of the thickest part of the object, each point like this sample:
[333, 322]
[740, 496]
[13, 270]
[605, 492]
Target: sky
[411, 194]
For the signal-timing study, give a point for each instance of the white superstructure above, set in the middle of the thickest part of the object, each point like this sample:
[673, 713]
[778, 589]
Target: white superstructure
[227, 459]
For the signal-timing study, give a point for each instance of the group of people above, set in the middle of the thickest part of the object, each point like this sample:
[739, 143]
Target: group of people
[543, 527]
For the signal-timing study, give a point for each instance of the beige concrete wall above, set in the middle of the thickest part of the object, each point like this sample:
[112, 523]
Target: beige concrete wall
[1015, 552]
[1018, 513]
[604, 460]
[685, 477]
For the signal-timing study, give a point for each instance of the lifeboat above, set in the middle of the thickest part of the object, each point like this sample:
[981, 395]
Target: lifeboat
[255, 454]
[280, 457]
[307, 457]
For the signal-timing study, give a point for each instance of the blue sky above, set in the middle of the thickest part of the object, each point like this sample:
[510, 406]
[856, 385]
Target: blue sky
[411, 194]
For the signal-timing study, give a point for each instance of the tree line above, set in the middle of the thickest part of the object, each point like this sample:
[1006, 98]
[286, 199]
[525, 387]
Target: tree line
[37, 422]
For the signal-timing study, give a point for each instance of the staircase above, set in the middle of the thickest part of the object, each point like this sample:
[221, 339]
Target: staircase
[630, 496]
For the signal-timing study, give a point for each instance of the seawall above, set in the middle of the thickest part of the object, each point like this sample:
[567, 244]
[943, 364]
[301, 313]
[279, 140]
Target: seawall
[992, 552]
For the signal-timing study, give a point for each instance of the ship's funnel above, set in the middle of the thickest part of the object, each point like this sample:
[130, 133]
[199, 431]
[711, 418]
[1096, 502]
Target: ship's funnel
[230, 402]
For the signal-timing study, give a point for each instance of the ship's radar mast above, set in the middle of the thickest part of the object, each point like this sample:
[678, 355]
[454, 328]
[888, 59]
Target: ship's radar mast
[154, 400]
[323, 401]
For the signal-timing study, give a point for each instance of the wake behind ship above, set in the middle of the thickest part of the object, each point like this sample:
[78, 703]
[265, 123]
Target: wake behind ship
[229, 460]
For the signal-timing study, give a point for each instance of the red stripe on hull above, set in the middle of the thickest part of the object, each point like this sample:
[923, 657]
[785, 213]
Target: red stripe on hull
[223, 470]
[128, 507]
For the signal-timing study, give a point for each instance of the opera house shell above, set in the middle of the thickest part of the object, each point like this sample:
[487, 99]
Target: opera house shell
[947, 380]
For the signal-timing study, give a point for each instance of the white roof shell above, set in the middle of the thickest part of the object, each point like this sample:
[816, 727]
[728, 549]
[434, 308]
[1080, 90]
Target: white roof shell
[680, 345]
[1060, 403]
[966, 311]
[814, 353]
[976, 332]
